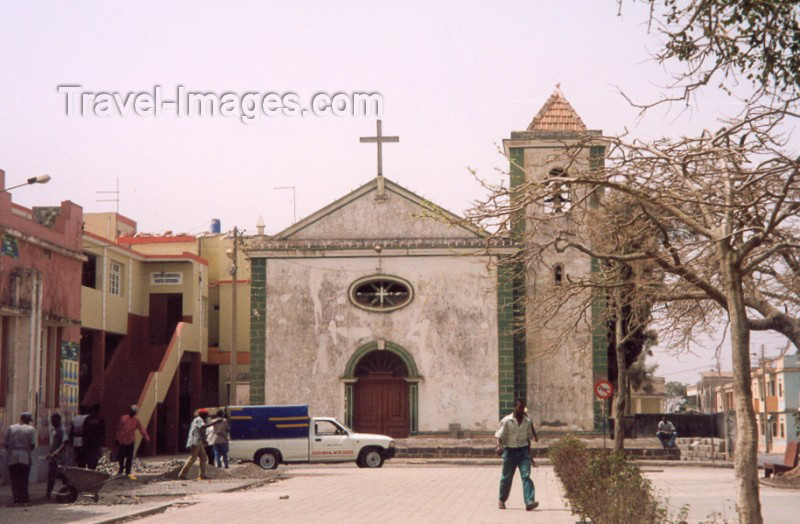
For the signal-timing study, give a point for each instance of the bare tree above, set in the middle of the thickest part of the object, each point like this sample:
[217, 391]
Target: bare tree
[744, 225]
[719, 209]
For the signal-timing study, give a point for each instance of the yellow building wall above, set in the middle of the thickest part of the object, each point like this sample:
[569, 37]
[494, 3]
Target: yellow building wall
[242, 318]
[107, 225]
[652, 405]
[139, 303]
[193, 289]
[99, 308]
[91, 308]
[136, 286]
[213, 316]
[214, 249]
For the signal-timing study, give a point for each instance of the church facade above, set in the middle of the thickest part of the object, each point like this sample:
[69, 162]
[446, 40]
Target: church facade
[391, 314]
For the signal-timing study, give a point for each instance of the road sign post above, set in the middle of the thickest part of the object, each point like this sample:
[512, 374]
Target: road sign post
[604, 390]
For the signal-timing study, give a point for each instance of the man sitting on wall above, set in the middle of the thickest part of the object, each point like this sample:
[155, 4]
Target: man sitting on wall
[666, 433]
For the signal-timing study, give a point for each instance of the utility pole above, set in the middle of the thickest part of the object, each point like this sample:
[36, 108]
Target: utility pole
[764, 397]
[234, 270]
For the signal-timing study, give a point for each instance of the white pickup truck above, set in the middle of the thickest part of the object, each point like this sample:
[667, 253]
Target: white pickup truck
[270, 435]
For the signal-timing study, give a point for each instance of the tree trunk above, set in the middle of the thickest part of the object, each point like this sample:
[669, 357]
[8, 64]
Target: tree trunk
[746, 450]
[622, 382]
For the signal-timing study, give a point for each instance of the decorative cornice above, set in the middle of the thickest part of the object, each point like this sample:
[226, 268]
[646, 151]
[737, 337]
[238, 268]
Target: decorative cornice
[256, 244]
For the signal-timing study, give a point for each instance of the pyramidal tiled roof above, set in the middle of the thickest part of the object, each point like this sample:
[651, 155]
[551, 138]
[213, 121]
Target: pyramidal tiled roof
[557, 115]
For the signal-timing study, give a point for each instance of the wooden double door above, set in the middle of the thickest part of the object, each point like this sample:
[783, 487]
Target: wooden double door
[381, 405]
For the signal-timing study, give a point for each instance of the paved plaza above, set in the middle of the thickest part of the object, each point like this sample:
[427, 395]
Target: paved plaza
[427, 493]
[402, 491]
[392, 494]
[713, 490]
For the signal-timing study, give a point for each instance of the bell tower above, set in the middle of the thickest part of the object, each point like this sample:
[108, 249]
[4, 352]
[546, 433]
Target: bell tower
[558, 355]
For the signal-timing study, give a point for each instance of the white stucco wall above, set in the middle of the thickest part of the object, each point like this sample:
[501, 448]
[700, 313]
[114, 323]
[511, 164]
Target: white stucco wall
[450, 329]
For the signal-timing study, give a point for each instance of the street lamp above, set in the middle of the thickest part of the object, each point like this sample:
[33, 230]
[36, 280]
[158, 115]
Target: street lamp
[41, 179]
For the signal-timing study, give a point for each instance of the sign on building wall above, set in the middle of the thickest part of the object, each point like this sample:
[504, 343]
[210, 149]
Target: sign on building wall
[166, 278]
[70, 364]
[10, 246]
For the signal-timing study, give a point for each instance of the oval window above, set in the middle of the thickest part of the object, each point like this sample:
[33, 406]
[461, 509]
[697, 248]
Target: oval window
[381, 293]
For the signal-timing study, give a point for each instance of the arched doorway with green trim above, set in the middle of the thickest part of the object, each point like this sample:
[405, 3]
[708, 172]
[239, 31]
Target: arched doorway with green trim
[381, 390]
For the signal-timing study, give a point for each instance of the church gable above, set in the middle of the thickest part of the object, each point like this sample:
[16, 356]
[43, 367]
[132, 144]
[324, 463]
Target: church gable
[379, 211]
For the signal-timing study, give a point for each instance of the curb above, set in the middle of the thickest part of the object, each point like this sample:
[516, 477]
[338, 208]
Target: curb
[137, 514]
[768, 483]
[180, 499]
[251, 484]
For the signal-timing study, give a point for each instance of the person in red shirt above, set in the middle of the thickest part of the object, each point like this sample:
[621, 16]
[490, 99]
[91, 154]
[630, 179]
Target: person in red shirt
[126, 436]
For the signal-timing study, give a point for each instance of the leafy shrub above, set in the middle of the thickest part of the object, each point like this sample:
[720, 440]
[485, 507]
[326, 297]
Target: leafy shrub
[570, 459]
[604, 486]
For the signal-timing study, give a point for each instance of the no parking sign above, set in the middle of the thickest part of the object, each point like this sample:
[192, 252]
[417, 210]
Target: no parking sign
[603, 389]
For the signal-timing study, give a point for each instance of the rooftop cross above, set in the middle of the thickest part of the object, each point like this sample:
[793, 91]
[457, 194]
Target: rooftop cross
[379, 139]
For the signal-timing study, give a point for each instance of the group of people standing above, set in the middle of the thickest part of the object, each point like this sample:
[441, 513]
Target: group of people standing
[81, 446]
[86, 437]
[206, 437]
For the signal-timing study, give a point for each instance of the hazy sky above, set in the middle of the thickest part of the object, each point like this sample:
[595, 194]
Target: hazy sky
[456, 78]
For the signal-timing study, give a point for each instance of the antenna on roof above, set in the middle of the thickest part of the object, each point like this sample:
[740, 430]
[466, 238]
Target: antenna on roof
[116, 199]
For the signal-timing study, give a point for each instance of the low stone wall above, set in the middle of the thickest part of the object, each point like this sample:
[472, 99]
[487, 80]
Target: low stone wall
[701, 448]
[443, 452]
[686, 424]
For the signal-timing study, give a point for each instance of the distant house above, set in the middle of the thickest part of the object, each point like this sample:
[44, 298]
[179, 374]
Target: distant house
[653, 401]
[780, 380]
[776, 397]
[709, 392]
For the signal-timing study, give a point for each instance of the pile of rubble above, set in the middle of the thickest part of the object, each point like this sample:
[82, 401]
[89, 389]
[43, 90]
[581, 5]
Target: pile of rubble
[140, 467]
[155, 469]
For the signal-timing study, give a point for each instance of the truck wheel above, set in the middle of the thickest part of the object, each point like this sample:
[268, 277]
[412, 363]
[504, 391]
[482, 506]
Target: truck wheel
[372, 458]
[267, 459]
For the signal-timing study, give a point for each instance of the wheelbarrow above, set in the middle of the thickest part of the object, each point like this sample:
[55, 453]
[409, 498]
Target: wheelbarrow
[79, 480]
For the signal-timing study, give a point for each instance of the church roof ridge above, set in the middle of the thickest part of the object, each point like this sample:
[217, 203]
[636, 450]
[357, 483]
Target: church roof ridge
[392, 186]
[557, 115]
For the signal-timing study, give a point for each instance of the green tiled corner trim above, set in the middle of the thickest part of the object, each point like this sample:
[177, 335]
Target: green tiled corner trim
[520, 346]
[597, 159]
[505, 336]
[516, 171]
[599, 349]
[517, 167]
[599, 328]
[258, 322]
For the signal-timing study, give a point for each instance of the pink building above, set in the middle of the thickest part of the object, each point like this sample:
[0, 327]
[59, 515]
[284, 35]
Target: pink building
[40, 292]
